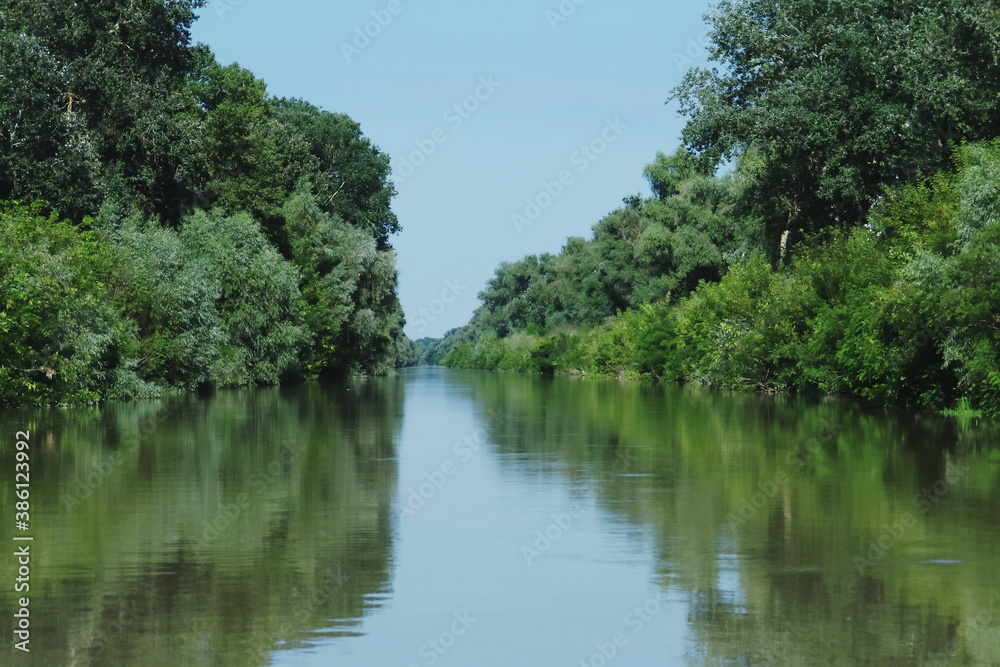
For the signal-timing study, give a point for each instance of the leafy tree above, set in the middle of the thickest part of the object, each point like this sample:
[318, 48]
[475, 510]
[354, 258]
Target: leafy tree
[239, 239]
[259, 298]
[126, 65]
[644, 252]
[352, 177]
[45, 152]
[960, 294]
[58, 335]
[408, 353]
[506, 296]
[169, 297]
[834, 101]
[253, 161]
[348, 289]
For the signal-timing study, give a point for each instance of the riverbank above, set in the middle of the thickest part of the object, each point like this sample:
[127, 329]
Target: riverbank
[900, 312]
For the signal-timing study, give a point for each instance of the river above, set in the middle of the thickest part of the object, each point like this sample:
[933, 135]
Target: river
[442, 517]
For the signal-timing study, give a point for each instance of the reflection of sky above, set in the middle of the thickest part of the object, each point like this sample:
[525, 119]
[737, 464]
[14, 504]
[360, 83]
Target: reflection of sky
[728, 582]
[463, 551]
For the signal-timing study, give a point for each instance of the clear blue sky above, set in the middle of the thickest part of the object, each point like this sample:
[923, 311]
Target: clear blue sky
[598, 78]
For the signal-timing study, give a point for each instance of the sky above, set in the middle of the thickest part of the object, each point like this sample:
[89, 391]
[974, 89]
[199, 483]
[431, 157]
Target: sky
[511, 126]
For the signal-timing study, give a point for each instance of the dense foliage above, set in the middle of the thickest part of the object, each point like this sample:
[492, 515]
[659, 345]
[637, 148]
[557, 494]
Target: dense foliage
[901, 312]
[170, 224]
[649, 250]
[850, 248]
[837, 100]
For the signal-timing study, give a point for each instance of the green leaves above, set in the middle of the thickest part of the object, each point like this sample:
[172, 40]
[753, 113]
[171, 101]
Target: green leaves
[241, 238]
[840, 99]
[169, 294]
[259, 296]
[351, 178]
[59, 335]
[44, 148]
[348, 292]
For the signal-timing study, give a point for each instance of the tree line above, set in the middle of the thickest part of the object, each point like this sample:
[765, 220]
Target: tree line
[829, 224]
[167, 224]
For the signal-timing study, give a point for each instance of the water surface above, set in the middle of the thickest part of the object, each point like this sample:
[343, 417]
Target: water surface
[455, 518]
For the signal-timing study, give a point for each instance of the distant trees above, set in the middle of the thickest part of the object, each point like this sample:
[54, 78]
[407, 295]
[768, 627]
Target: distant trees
[221, 235]
[648, 250]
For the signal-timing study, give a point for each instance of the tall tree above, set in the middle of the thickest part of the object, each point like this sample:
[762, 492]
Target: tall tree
[126, 64]
[352, 180]
[253, 161]
[835, 99]
[45, 150]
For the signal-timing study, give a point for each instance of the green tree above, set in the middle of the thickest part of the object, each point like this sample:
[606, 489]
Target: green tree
[126, 64]
[836, 100]
[259, 298]
[253, 161]
[45, 152]
[58, 334]
[348, 289]
[352, 177]
[169, 297]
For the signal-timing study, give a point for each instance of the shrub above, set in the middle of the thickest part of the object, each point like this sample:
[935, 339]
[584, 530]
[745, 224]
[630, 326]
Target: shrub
[170, 298]
[58, 334]
[259, 298]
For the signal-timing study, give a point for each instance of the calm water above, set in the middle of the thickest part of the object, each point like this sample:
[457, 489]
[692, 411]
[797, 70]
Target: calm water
[450, 518]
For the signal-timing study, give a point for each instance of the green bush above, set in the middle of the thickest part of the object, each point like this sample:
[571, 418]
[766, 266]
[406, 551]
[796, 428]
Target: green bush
[58, 334]
[518, 354]
[459, 356]
[900, 312]
[258, 302]
[734, 333]
[169, 296]
[656, 342]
